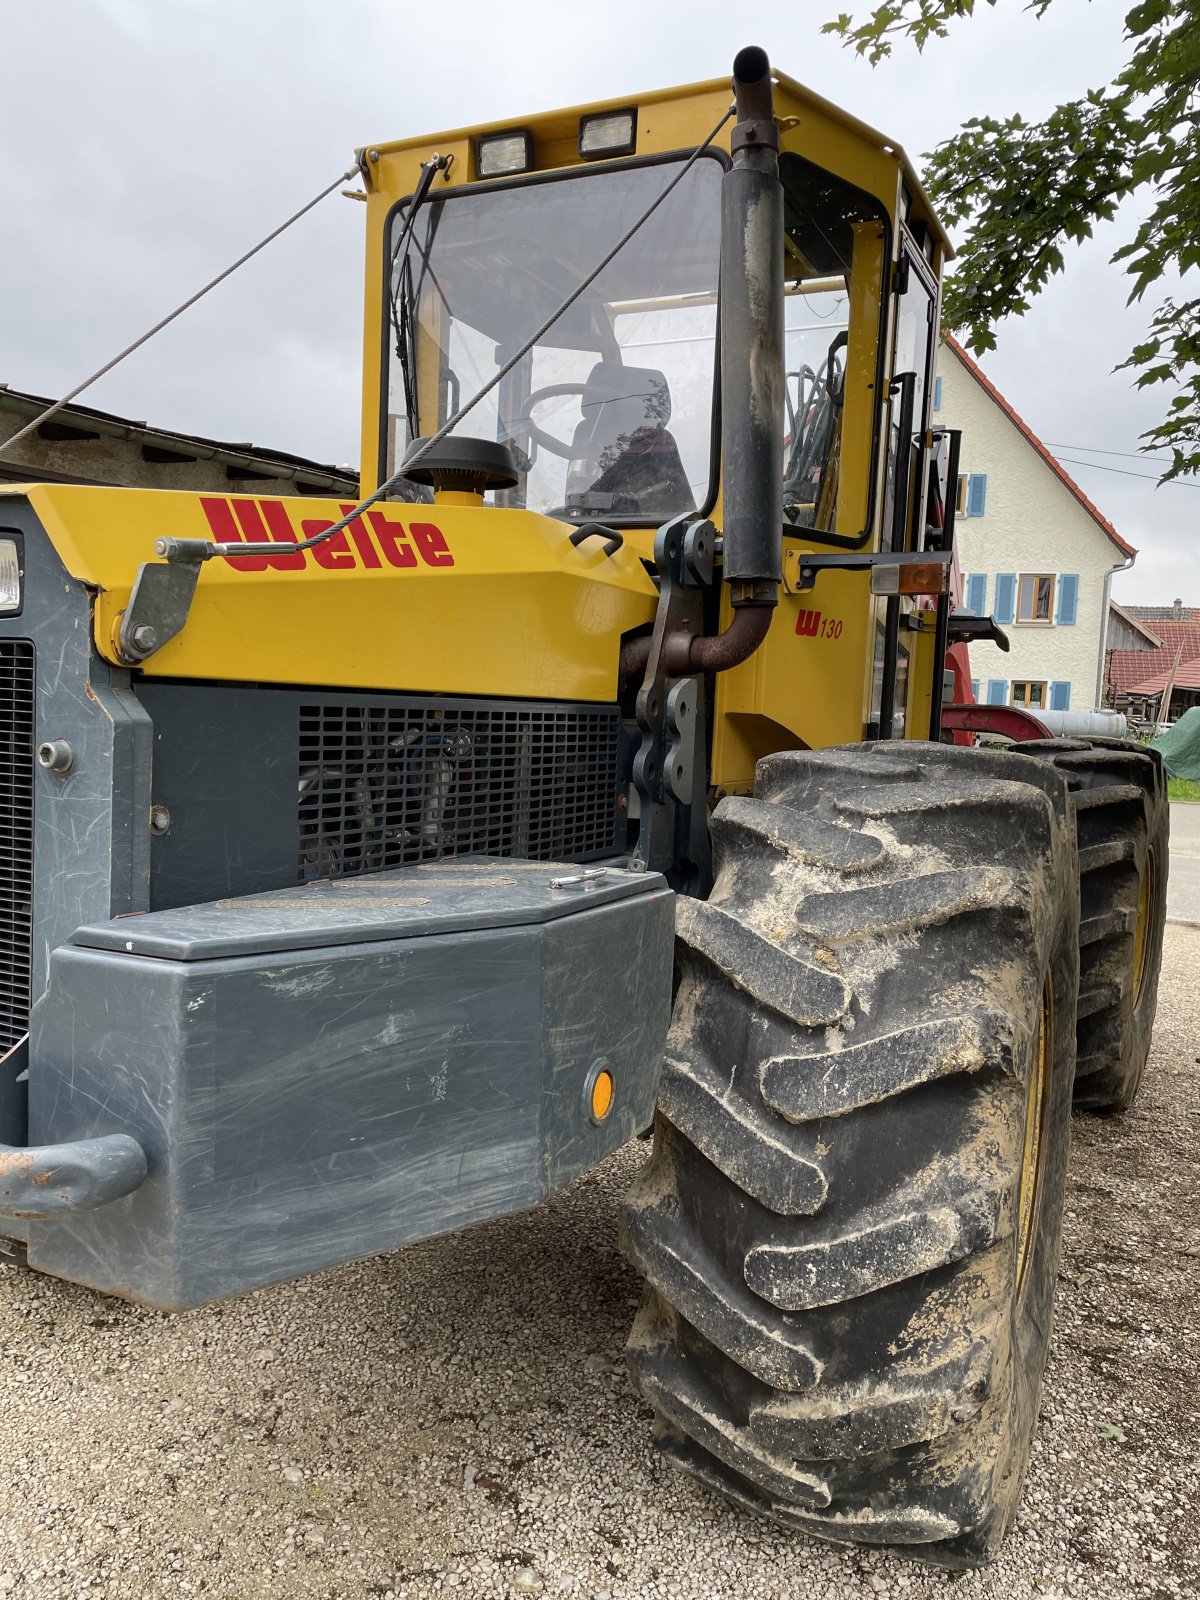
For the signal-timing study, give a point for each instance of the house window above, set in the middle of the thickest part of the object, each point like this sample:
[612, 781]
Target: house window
[1035, 597]
[1031, 696]
[972, 494]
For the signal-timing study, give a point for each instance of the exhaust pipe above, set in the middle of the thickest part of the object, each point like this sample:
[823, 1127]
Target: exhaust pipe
[751, 387]
[752, 341]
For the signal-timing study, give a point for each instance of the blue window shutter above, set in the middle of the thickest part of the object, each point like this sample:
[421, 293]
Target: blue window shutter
[937, 394]
[1068, 598]
[1006, 597]
[997, 691]
[977, 592]
[975, 690]
[1060, 696]
[976, 494]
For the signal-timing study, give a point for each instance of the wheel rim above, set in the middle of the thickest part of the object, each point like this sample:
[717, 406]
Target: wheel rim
[1035, 1117]
[1141, 932]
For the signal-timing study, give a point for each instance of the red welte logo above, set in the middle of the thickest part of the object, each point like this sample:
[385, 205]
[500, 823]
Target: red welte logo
[387, 542]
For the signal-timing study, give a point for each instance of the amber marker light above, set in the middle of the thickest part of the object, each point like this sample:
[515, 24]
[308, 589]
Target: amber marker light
[601, 1092]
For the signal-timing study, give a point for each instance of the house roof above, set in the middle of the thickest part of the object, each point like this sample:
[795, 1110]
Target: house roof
[1031, 438]
[1128, 670]
[1187, 676]
[263, 462]
[1164, 613]
[1133, 622]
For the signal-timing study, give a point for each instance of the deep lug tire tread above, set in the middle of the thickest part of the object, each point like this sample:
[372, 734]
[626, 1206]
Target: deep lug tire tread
[827, 1226]
[1119, 795]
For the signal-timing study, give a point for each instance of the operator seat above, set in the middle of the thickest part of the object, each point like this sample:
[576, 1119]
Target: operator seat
[623, 459]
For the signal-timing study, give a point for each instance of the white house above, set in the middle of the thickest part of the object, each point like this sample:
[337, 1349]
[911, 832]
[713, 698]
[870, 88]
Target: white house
[1035, 552]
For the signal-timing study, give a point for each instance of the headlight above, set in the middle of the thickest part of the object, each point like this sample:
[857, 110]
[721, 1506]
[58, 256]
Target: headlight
[609, 134]
[11, 576]
[502, 153]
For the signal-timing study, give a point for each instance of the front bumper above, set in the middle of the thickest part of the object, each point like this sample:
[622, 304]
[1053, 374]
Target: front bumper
[323, 1073]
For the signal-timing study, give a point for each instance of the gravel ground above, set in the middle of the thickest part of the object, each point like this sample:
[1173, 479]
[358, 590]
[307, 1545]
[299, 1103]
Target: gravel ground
[455, 1417]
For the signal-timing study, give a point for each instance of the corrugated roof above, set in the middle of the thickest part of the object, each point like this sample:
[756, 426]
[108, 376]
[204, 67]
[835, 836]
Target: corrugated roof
[1022, 427]
[286, 464]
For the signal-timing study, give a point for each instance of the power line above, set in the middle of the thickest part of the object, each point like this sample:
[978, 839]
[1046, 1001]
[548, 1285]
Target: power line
[1150, 477]
[1096, 450]
[52, 411]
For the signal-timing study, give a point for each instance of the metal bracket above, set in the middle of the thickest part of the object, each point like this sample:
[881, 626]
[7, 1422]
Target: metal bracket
[678, 760]
[158, 607]
[665, 765]
[892, 571]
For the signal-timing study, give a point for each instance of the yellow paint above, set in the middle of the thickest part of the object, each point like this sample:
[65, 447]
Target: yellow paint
[919, 633]
[520, 612]
[799, 689]
[1037, 1096]
[602, 1095]
[1141, 932]
[668, 120]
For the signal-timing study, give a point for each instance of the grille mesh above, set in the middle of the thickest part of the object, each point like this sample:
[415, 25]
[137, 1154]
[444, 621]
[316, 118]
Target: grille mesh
[16, 836]
[387, 785]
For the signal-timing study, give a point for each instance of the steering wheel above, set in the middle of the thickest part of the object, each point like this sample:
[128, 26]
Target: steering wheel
[547, 441]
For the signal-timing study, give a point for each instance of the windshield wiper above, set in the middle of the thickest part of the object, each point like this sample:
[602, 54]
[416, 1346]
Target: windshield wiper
[403, 296]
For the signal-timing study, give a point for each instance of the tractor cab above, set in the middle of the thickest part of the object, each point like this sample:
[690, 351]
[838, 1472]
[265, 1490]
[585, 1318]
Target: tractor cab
[614, 413]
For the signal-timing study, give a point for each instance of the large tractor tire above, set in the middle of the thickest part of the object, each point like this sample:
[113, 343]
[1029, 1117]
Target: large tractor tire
[1119, 792]
[849, 1226]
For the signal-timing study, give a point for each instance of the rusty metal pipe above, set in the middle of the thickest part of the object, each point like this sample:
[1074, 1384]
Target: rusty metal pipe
[717, 652]
[696, 652]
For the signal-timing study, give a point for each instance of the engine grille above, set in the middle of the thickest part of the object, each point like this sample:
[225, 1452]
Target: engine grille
[16, 836]
[394, 783]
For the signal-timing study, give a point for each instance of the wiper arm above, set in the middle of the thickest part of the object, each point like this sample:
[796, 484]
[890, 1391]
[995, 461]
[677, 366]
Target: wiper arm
[402, 296]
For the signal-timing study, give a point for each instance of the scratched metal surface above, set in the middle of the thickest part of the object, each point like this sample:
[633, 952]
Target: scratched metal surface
[91, 837]
[306, 1107]
[410, 902]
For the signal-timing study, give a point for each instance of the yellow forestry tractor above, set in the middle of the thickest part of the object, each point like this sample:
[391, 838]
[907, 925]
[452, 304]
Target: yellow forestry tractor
[371, 870]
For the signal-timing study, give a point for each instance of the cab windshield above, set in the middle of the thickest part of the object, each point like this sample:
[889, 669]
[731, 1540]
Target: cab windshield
[611, 414]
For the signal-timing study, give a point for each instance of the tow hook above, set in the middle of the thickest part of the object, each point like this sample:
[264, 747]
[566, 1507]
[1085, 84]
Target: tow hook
[43, 1182]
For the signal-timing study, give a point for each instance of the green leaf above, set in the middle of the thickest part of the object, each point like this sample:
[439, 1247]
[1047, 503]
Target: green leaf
[1019, 191]
[1110, 1431]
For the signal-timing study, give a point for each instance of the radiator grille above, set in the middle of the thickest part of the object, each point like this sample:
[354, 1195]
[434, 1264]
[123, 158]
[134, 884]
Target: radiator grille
[387, 785]
[16, 836]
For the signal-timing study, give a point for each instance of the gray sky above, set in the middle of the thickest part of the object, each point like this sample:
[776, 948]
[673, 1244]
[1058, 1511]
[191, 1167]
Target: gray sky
[146, 143]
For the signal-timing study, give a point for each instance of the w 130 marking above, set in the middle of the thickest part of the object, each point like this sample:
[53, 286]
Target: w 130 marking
[810, 626]
[266, 521]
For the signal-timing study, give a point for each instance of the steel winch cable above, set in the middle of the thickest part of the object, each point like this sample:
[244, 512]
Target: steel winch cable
[203, 550]
[52, 411]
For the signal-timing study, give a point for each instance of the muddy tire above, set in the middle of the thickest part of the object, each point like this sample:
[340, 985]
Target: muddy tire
[1119, 793]
[849, 1255]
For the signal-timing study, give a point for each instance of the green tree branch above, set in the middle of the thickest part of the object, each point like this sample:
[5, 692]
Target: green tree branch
[1020, 191]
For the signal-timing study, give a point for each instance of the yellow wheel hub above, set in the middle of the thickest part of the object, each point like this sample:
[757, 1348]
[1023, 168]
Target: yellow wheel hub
[1035, 1117]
